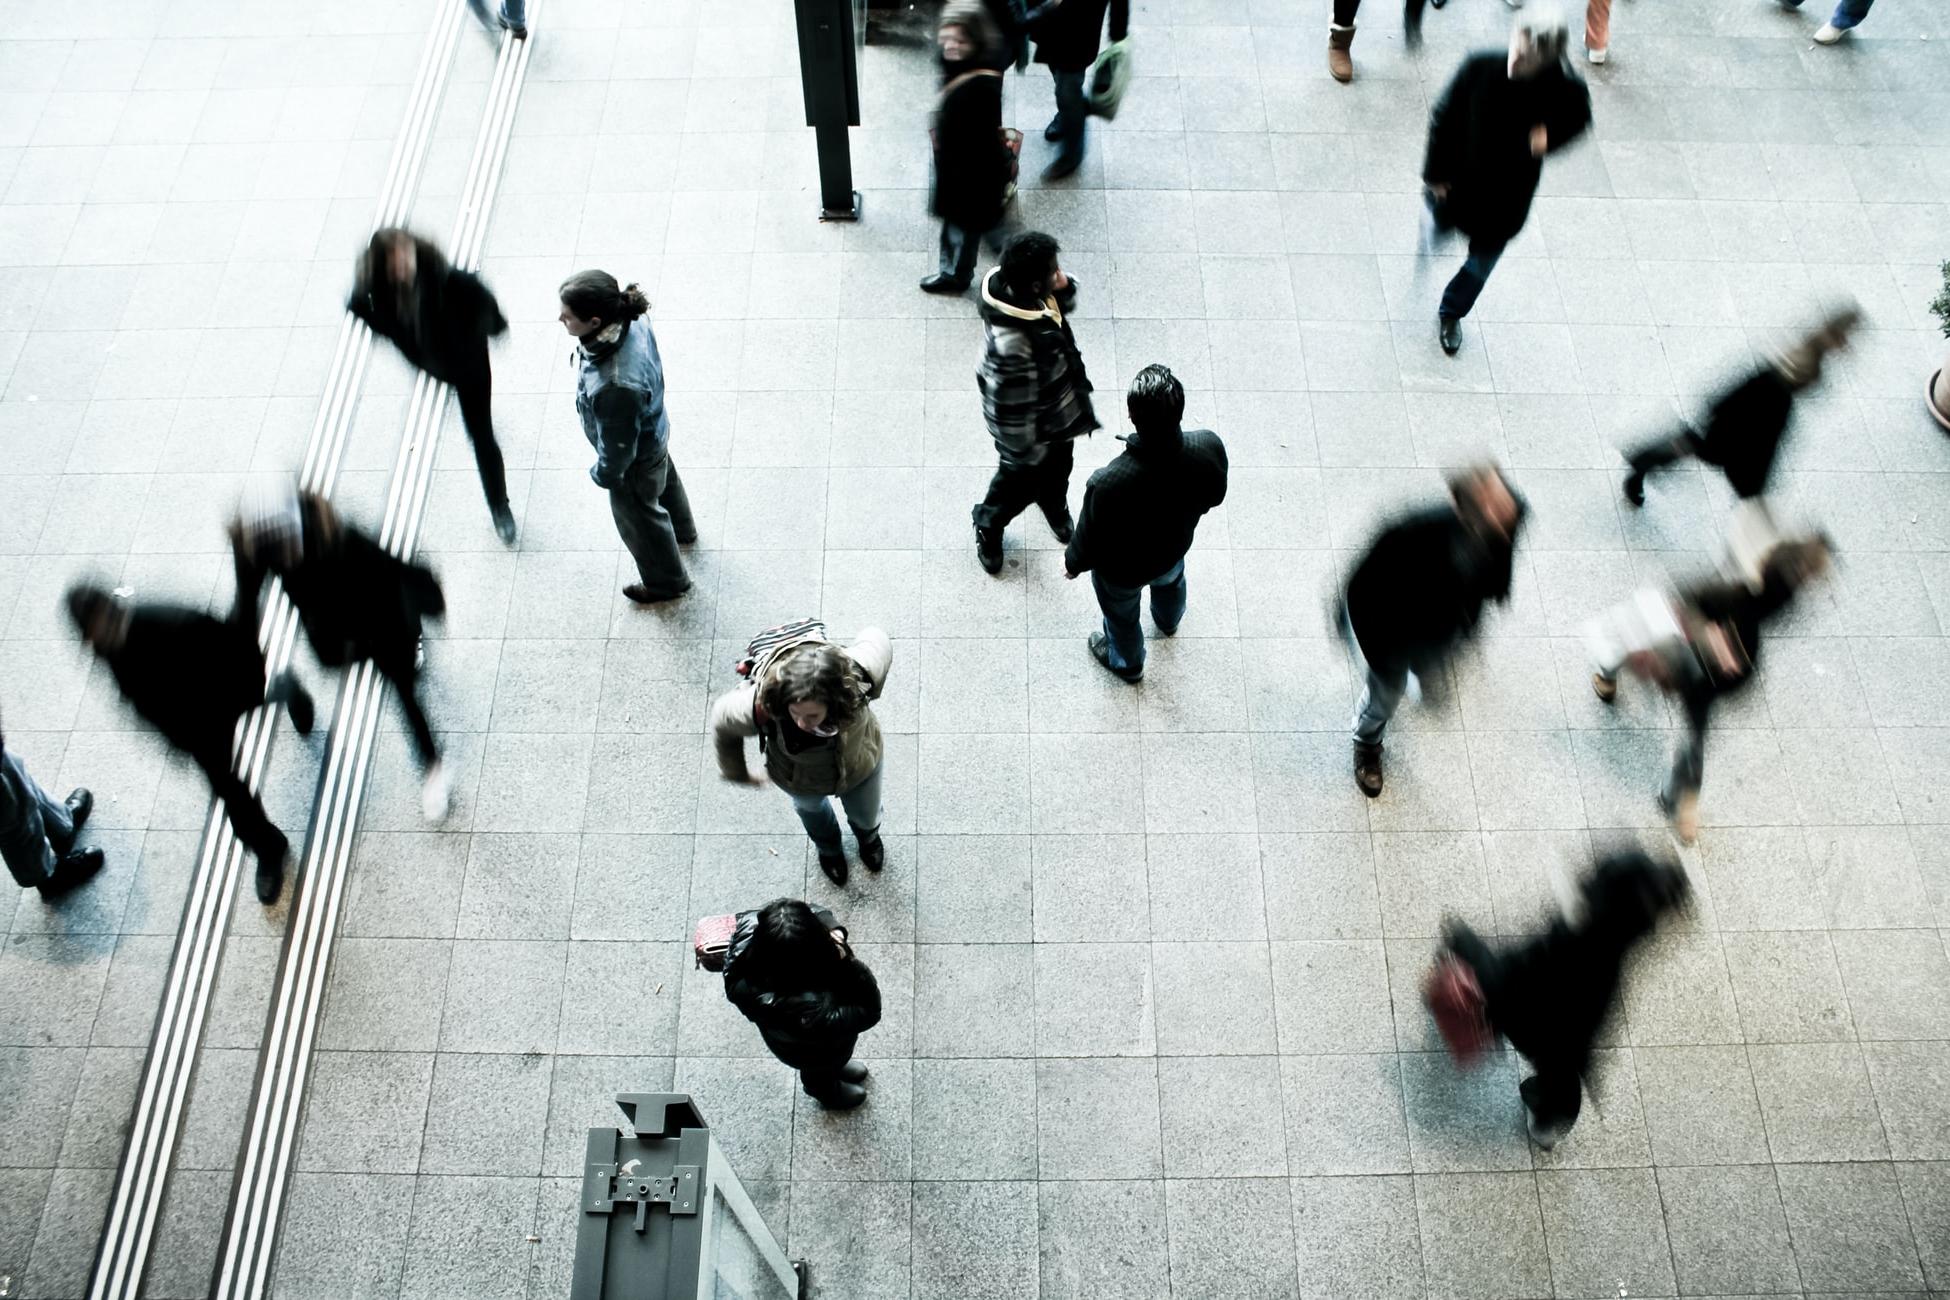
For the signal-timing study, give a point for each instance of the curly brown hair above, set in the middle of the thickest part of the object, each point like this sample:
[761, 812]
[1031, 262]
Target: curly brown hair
[818, 672]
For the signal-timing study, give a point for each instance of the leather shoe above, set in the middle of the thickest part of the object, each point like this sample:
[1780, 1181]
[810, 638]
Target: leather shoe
[1062, 167]
[1054, 131]
[270, 875]
[834, 865]
[504, 524]
[1100, 651]
[988, 549]
[73, 870]
[80, 803]
[642, 595]
[939, 283]
[873, 852]
[1367, 769]
[1449, 333]
[1061, 524]
[853, 1072]
[847, 1096]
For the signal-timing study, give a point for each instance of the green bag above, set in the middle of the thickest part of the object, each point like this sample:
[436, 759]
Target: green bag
[1109, 76]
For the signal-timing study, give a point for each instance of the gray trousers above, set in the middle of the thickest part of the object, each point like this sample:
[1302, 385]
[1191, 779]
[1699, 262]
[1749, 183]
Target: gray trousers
[652, 515]
[34, 830]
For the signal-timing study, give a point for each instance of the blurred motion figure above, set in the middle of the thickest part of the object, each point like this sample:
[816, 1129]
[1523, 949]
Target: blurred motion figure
[972, 166]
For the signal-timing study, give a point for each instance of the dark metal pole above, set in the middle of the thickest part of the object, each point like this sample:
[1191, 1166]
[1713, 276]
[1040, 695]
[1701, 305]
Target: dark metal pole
[830, 77]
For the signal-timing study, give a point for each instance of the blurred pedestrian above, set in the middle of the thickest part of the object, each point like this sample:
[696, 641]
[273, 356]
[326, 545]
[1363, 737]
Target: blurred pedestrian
[973, 168]
[1597, 30]
[192, 677]
[39, 838]
[1340, 34]
[1847, 16]
[1551, 995]
[809, 702]
[1068, 36]
[1419, 591]
[512, 16]
[791, 973]
[1035, 391]
[1139, 514]
[620, 397]
[440, 318]
[356, 600]
[1488, 135]
[1698, 646]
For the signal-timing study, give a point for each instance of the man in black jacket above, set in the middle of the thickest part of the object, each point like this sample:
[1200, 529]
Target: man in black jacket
[1419, 590]
[1139, 514]
[192, 677]
[1068, 35]
[1488, 135]
[38, 836]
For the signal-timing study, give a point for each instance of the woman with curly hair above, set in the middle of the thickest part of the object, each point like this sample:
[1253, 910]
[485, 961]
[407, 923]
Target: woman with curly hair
[808, 702]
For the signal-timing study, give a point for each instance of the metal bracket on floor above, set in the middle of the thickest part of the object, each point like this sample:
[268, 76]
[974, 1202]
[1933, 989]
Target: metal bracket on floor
[605, 1189]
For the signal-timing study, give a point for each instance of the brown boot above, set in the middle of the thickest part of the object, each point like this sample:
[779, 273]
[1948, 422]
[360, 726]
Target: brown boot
[1340, 64]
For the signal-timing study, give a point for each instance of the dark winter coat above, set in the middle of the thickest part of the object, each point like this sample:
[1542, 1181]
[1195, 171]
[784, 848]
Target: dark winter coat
[805, 1028]
[189, 675]
[971, 164]
[1744, 428]
[446, 325]
[1069, 35]
[1422, 585]
[1479, 141]
[1034, 387]
[620, 397]
[1140, 511]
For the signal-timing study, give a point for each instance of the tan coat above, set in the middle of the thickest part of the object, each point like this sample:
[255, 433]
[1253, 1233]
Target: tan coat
[734, 716]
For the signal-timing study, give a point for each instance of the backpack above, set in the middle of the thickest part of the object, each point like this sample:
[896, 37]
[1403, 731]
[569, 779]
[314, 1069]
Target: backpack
[769, 644]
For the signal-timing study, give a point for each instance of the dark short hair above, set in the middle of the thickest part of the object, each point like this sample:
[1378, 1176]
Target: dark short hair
[1027, 259]
[1156, 399]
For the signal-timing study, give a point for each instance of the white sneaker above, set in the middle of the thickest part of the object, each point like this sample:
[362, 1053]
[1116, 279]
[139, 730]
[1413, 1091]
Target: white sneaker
[1597, 55]
[437, 793]
[1829, 34]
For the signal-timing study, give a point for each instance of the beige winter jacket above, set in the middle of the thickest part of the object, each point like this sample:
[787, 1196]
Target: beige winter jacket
[828, 769]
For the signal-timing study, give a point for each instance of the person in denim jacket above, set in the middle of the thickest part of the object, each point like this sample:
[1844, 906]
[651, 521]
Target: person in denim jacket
[620, 397]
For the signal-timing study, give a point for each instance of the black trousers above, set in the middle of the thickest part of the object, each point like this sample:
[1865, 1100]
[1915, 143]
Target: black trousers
[1344, 11]
[247, 816]
[397, 668]
[1021, 482]
[474, 391]
[1664, 452]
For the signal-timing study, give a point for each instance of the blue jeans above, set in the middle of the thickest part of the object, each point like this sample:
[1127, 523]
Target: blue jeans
[862, 804]
[1847, 12]
[34, 830]
[1120, 606]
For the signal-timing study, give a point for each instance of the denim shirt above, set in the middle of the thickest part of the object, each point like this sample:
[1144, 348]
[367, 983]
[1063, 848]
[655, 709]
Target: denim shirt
[620, 397]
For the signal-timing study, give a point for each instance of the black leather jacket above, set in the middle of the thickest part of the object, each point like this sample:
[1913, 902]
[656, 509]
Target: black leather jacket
[804, 1026]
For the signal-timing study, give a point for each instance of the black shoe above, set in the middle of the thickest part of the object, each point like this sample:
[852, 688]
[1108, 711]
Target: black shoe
[1065, 165]
[270, 873]
[299, 705]
[642, 595]
[80, 803]
[1367, 769]
[1449, 333]
[519, 31]
[684, 539]
[1100, 651]
[75, 869]
[873, 851]
[1634, 489]
[1061, 524]
[940, 283]
[847, 1096]
[504, 524]
[854, 1072]
[834, 865]
[1054, 131]
[988, 548]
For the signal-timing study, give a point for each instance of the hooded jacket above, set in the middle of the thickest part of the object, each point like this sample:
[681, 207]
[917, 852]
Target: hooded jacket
[1479, 141]
[1422, 585]
[1140, 511]
[445, 324]
[1034, 387]
[803, 1026]
[620, 397]
[797, 763]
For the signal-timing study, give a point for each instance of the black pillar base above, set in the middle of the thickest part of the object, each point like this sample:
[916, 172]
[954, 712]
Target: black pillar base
[850, 213]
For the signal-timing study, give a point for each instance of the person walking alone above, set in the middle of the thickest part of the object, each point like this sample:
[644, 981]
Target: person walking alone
[440, 318]
[38, 837]
[1488, 135]
[1139, 514]
[972, 166]
[789, 970]
[1340, 34]
[1068, 35]
[620, 397]
[1035, 391]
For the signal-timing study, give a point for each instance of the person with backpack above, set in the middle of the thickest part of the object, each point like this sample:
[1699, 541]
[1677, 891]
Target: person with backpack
[973, 168]
[440, 318]
[39, 838]
[809, 703]
[1139, 513]
[1035, 391]
[789, 970]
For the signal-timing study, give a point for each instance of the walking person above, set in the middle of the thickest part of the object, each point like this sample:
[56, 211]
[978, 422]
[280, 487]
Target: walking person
[511, 16]
[620, 397]
[809, 703]
[1597, 30]
[1035, 391]
[1488, 135]
[192, 677]
[972, 166]
[789, 970]
[440, 318]
[1340, 34]
[1068, 36]
[1419, 591]
[1847, 16]
[1139, 514]
[39, 838]
[356, 600]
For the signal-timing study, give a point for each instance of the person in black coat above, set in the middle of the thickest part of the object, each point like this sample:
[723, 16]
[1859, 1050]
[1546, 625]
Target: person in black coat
[789, 970]
[972, 166]
[1745, 425]
[192, 677]
[1419, 590]
[1488, 135]
[1068, 36]
[440, 318]
[1139, 513]
[1551, 995]
[356, 600]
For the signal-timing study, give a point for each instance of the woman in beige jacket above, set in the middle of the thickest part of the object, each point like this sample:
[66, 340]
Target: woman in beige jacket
[809, 706]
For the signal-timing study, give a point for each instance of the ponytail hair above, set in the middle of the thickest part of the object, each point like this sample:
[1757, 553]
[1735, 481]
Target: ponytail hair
[595, 295]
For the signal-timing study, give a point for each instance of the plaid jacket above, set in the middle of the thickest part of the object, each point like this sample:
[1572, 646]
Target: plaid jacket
[1034, 387]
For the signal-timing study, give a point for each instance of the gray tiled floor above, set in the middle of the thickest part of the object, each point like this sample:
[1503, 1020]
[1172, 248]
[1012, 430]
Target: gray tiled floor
[1145, 947]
